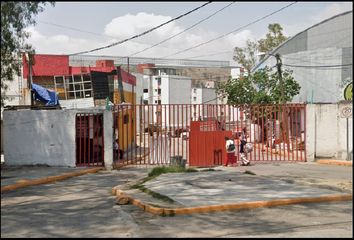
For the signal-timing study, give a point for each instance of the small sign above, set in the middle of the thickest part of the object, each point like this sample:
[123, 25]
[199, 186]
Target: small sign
[346, 111]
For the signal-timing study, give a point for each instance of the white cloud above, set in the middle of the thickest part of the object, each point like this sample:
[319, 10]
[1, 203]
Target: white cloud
[129, 25]
[332, 10]
[59, 44]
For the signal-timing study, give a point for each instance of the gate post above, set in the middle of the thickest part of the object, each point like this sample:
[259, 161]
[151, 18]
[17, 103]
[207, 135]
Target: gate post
[108, 139]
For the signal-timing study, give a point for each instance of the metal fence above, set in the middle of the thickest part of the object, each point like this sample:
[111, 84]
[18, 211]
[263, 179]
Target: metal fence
[162, 134]
[89, 140]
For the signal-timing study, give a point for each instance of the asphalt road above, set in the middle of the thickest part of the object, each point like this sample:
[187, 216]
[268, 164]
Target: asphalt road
[84, 207]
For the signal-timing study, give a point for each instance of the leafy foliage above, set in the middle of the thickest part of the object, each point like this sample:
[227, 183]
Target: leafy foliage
[273, 38]
[15, 17]
[262, 87]
[246, 56]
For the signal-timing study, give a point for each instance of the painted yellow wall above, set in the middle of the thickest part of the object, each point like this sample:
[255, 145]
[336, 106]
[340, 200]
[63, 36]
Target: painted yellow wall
[126, 132]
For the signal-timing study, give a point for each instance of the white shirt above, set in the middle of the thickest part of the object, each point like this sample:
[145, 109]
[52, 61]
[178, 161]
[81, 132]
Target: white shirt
[228, 142]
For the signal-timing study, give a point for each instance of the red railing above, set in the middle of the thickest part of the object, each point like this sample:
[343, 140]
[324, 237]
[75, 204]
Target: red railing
[89, 140]
[161, 134]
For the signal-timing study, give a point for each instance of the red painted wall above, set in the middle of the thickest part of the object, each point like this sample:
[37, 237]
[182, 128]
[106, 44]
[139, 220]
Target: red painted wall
[52, 65]
[47, 65]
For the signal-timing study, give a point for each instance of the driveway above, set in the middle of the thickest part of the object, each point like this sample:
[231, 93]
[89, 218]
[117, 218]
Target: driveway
[85, 207]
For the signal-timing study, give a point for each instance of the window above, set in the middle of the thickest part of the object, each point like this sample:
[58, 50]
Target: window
[73, 86]
[158, 81]
[194, 99]
[158, 91]
[158, 101]
[145, 90]
[194, 90]
[146, 102]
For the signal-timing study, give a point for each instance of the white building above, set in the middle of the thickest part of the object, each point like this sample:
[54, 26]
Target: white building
[162, 86]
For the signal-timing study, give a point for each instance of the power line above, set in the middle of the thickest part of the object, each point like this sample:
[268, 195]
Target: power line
[312, 35]
[94, 33]
[183, 30]
[318, 66]
[224, 35]
[213, 54]
[146, 32]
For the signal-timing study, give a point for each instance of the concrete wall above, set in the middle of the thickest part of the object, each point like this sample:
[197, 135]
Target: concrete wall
[325, 44]
[77, 103]
[48, 137]
[327, 133]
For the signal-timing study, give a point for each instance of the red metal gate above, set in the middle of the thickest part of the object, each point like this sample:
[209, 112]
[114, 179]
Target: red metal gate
[89, 140]
[160, 134]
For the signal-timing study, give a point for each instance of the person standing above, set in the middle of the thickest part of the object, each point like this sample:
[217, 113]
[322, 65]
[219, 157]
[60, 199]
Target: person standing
[243, 157]
[230, 152]
[118, 152]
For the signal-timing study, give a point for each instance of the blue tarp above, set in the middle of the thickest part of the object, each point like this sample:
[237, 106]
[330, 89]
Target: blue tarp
[50, 98]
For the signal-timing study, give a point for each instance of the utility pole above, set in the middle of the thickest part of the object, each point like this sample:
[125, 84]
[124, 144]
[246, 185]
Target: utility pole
[29, 60]
[283, 118]
[279, 63]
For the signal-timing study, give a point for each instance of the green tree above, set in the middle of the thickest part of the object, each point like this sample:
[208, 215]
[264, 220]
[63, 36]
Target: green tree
[246, 56]
[262, 87]
[273, 38]
[15, 17]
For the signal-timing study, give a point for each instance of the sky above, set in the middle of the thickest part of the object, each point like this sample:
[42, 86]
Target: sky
[89, 25]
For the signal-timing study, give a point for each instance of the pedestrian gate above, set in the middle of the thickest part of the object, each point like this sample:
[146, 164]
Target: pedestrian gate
[89, 140]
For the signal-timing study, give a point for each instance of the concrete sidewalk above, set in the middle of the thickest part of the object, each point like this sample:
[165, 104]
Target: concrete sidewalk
[243, 187]
[16, 177]
[220, 189]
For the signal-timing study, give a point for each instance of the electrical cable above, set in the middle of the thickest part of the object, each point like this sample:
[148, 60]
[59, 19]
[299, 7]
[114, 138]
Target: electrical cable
[224, 35]
[204, 19]
[143, 33]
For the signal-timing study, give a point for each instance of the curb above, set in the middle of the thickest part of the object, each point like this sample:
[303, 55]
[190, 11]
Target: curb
[237, 206]
[26, 183]
[336, 162]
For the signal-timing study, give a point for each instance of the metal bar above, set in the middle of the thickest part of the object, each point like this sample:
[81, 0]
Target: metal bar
[262, 132]
[288, 131]
[170, 129]
[86, 127]
[78, 118]
[305, 157]
[94, 141]
[182, 130]
[301, 132]
[174, 130]
[143, 131]
[89, 139]
[267, 120]
[102, 138]
[237, 129]
[291, 112]
[166, 135]
[283, 117]
[297, 131]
